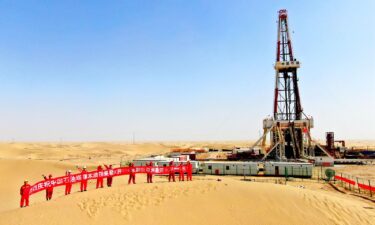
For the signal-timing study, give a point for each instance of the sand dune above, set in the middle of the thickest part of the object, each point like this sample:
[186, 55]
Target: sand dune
[203, 201]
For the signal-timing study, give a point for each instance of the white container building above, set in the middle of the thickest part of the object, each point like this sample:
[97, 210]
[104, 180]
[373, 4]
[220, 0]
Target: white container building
[292, 169]
[230, 168]
[324, 161]
[155, 160]
[164, 161]
[195, 164]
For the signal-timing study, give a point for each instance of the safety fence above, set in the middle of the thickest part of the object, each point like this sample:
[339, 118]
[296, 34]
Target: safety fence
[84, 176]
[318, 174]
[346, 181]
[355, 184]
[297, 172]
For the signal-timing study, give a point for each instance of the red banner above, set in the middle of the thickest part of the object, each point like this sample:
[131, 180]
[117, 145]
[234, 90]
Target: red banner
[75, 178]
[345, 180]
[366, 187]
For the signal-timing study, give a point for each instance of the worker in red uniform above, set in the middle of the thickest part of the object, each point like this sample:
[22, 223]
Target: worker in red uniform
[24, 192]
[149, 172]
[99, 180]
[181, 172]
[83, 181]
[49, 189]
[110, 176]
[171, 172]
[68, 185]
[189, 171]
[131, 173]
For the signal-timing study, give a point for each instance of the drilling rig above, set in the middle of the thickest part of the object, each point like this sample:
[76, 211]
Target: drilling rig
[289, 128]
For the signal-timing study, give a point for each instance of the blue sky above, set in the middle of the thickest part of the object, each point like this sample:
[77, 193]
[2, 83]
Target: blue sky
[179, 70]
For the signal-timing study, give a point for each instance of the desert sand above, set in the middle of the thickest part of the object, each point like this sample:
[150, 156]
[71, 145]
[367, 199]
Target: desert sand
[205, 200]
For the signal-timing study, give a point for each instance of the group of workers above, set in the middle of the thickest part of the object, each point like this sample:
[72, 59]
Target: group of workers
[181, 173]
[24, 191]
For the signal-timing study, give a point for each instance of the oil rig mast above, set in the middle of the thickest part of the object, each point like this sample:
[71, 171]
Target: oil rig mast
[287, 134]
[289, 128]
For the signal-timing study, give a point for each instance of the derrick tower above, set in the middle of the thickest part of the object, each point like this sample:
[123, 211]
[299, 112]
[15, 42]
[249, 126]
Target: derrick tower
[287, 109]
[287, 103]
[289, 128]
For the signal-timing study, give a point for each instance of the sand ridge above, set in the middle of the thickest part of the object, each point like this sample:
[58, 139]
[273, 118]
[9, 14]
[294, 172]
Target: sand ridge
[205, 200]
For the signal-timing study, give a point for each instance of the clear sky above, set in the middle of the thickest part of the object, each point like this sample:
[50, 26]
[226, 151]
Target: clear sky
[179, 70]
